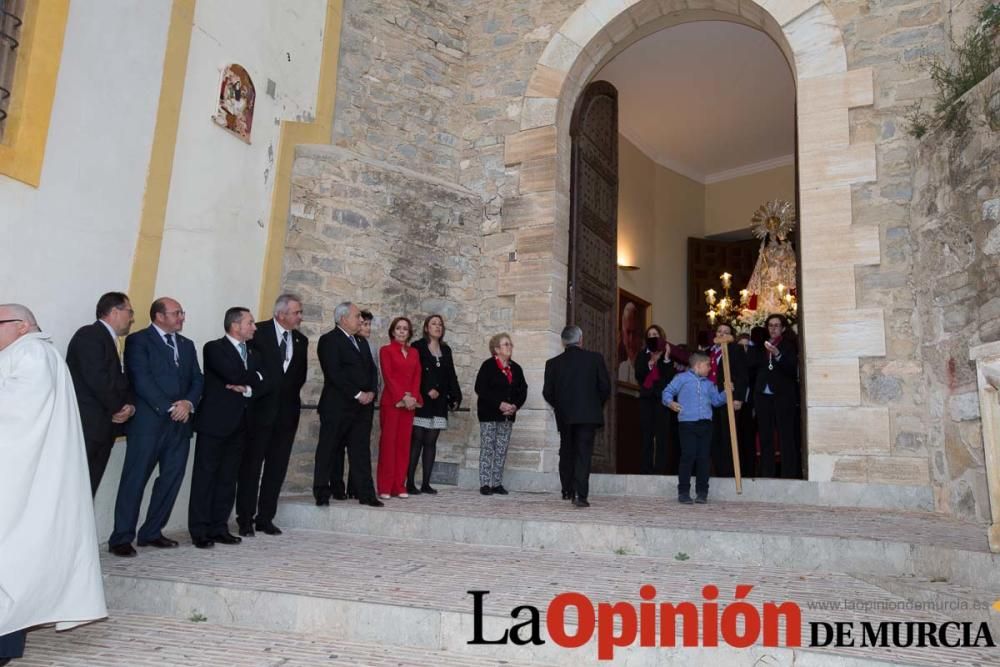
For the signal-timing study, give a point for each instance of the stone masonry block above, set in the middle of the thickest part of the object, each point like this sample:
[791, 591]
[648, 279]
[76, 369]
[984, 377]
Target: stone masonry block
[849, 430]
[833, 382]
[528, 144]
[838, 334]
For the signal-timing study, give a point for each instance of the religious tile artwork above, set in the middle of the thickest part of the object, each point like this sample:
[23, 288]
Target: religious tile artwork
[236, 102]
[634, 315]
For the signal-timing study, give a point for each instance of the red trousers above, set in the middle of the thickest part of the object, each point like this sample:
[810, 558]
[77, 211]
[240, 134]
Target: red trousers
[393, 449]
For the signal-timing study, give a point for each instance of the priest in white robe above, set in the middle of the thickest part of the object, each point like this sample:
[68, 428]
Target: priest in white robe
[49, 565]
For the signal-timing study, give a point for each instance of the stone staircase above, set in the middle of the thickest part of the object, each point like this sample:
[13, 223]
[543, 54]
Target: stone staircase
[348, 584]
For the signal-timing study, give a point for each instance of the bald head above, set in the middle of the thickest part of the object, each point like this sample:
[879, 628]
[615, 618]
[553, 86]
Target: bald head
[15, 321]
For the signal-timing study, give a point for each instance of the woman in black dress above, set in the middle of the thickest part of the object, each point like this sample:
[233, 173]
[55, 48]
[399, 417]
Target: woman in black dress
[440, 391]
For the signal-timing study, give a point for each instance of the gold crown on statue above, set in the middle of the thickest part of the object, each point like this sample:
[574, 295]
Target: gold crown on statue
[775, 218]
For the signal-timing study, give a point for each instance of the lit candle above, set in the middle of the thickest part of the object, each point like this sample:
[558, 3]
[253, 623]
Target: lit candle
[711, 317]
[795, 307]
[744, 296]
[710, 297]
[723, 304]
[725, 279]
[781, 289]
[788, 298]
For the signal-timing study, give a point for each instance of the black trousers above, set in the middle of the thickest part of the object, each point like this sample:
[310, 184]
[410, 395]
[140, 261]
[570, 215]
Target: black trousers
[777, 413]
[270, 447]
[653, 421]
[98, 453]
[576, 447]
[336, 433]
[722, 449]
[12, 645]
[696, 447]
[213, 482]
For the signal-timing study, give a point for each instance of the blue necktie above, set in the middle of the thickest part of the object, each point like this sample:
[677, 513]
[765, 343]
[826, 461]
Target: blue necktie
[170, 343]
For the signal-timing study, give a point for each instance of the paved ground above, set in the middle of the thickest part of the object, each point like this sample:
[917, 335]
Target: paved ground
[437, 575]
[876, 524]
[137, 640]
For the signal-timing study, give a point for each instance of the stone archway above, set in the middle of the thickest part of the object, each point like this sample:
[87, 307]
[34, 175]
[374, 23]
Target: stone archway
[843, 435]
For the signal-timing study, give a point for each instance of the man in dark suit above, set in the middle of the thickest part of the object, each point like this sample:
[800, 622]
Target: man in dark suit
[775, 398]
[576, 386]
[163, 368]
[346, 408]
[274, 417]
[99, 379]
[232, 377]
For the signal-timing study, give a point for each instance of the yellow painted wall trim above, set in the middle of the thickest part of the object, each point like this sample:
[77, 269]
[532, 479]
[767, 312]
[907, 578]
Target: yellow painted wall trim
[293, 133]
[23, 149]
[146, 261]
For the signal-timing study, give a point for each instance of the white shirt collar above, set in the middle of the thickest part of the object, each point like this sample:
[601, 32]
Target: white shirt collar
[234, 342]
[161, 332]
[111, 331]
[279, 331]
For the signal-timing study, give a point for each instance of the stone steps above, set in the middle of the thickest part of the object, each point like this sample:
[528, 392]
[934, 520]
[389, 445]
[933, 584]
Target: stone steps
[807, 538]
[129, 639]
[412, 594]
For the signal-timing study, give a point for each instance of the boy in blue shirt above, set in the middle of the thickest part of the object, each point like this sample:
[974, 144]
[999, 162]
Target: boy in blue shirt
[692, 396]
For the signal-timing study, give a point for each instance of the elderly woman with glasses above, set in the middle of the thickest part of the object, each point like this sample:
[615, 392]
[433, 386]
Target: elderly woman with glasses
[501, 392]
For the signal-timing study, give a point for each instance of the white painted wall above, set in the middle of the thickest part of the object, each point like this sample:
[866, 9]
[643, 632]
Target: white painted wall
[220, 191]
[67, 242]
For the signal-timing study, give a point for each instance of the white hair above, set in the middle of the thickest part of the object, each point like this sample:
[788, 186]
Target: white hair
[281, 304]
[341, 311]
[572, 335]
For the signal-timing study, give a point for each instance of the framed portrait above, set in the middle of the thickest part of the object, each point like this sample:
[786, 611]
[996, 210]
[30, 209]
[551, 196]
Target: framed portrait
[634, 316]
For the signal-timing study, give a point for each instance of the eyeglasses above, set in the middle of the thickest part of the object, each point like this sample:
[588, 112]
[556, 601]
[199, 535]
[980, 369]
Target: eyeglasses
[173, 312]
[6, 321]
[127, 310]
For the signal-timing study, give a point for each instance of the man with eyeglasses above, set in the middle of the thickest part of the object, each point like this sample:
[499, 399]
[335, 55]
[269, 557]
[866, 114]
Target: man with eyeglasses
[102, 388]
[162, 366]
[49, 565]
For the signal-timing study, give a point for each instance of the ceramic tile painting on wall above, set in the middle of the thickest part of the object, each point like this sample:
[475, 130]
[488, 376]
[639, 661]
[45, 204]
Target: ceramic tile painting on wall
[236, 101]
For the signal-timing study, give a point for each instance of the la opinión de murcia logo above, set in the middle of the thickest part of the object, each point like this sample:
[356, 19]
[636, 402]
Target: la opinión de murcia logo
[709, 623]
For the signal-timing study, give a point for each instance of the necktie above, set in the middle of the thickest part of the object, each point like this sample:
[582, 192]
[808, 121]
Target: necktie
[120, 346]
[170, 342]
[283, 347]
[243, 354]
[354, 341]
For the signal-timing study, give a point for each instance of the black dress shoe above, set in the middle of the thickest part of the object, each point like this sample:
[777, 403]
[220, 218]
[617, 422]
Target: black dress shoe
[268, 528]
[247, 531]
[226, 538]
[413, 490]
[701, 500]
[427, 488]
[124, 550]
[499, 490]
[160, 542]
[203, 543]
[486, 491]
[580, 502]
[351, 495]
[567, 495]
[340, 496]
[322, 502]
[372, 502]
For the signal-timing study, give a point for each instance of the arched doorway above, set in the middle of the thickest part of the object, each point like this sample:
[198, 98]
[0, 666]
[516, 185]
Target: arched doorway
[829, 163]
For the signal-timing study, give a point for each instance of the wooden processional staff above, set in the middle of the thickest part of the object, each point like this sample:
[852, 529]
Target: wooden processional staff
[732, 415]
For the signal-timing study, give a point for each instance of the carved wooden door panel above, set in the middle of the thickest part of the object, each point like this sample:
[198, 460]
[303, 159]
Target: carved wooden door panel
[593, 251]
[707, 260]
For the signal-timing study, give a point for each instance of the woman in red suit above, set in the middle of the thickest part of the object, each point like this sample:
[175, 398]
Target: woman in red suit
[401, 396]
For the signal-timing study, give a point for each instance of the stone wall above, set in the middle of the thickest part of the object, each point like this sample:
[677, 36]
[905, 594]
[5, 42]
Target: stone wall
[396, 242]
[440, 86]
[954, 240]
